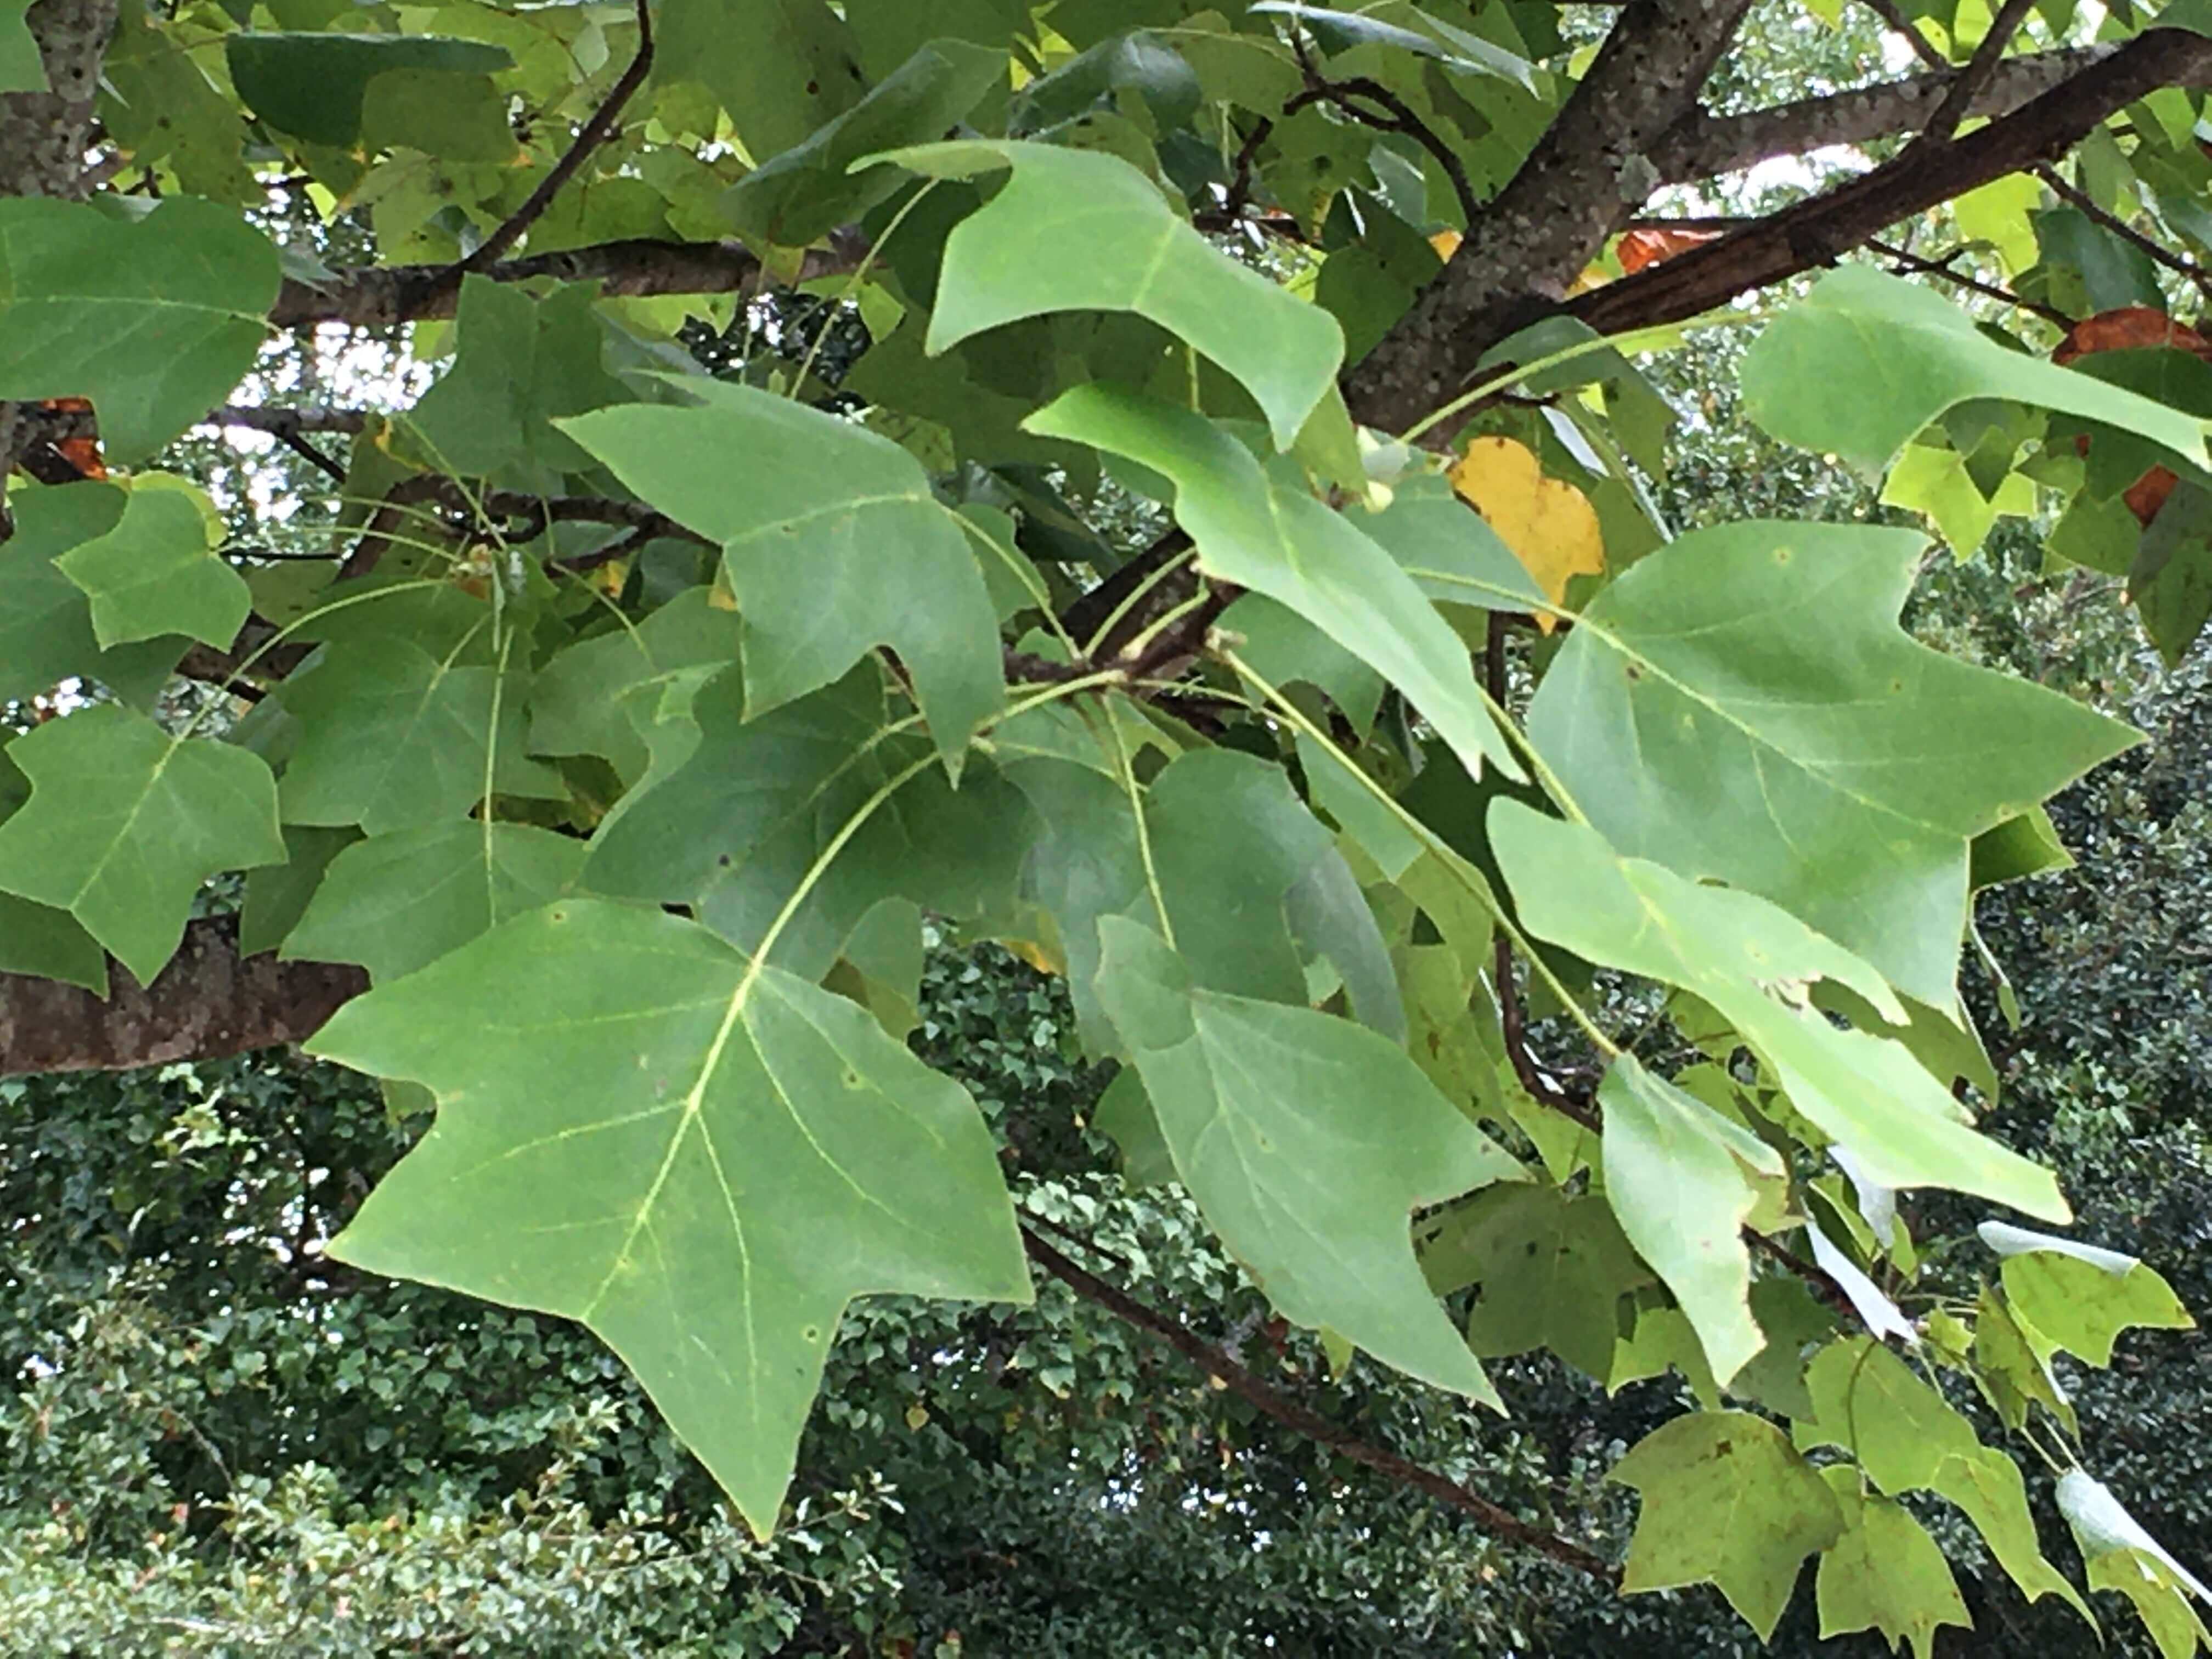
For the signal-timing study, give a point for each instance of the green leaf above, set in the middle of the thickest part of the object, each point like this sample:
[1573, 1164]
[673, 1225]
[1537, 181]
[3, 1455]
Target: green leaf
[1306, 1141]
[597, 696]
[154, 320]
[1125, 1112]
[2081, 1298]
[2156, 1590]
[1137, 74]
[391, 737]
[49, 944]
[21, 69]
[2026, 846]
[124, 823]
[520, 364]
[701, 1159]
[1254, 532]
[1450, 550]
[1683, 1179]
[1742, 704]
[311, 85]
[1553, 1271]
[1727, 1501]
[812, 188]
[45, 621]
[780, 68]
[1908, 355]
[2103, 1528]
[277, 895]
[156, 573]
[1885, 1573]
[1868, 1402]
[736, 827]
[1249, 875]
[2011, 1369]
[1078, 230]
[397, 903]
[833, 543]
[1749, 960]
[1988, 1487]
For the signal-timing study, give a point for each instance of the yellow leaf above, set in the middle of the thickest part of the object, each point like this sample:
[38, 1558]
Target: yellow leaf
[1548, 524]
[917, 1417]
[1033, 954]
[1446, 243]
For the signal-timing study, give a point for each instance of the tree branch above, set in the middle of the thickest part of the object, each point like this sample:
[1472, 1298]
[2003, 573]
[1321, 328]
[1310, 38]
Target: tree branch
[1579, 182]
[385, 296]
[2082, 199]
[1700, 145]
[1820, 231]
[594, 132]
[1497, 1521]
[207, 1002]
[1397, 116]
[1967, 86]
[1899, 24]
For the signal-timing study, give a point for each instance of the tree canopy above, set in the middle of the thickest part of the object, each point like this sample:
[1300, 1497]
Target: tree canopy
[1173, 491]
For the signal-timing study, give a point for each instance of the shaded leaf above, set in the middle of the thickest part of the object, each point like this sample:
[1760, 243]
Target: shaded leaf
[154, 318]
[397, 903]
[311, 84]
[1306, 1141]
[519, 365]
[391, 737]
[833, 541]
[1868, 1402]
[124, 822]
[807, 191]
[1553, 1271]
[1077, 230]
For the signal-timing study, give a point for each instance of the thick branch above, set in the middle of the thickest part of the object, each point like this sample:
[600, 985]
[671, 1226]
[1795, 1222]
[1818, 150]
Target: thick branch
[1819, 231]
[1577, 185]
[373, 297]
[1497, 1521]
[593, 133]
[1704, 145]
[207, 1002]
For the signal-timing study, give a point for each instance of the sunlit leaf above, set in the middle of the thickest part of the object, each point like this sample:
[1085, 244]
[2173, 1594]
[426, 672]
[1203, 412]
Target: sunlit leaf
[701, 1159]
[1750, 961]
[1726, 1502]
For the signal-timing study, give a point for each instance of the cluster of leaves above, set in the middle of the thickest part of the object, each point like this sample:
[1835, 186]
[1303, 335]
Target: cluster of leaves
[653, 715]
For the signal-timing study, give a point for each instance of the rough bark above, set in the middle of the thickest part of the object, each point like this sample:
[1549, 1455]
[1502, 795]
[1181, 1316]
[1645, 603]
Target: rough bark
[1701, 146]
[1821, 230]
[207, 1003]
[1587, 173]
